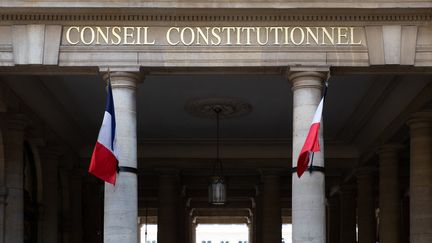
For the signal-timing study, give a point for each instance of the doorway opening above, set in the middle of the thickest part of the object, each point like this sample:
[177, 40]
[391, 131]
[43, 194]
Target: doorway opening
[286, 233]
[151, 236]
[222, 233]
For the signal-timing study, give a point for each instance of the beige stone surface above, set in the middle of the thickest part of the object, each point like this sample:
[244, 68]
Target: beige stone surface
[392, 43]
[222, 3]
[5, 36]
[28, 43]
[52, 44]
[385, 39]
[423, 56]
[36, 44]
[408, 45]
[375, 44]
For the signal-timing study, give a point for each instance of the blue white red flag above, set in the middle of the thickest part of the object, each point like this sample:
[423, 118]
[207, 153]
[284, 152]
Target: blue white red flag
[104, 159]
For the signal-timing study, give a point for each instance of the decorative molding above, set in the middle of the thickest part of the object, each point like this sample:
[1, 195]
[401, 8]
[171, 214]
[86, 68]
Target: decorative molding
[229, 107]
[65, 17]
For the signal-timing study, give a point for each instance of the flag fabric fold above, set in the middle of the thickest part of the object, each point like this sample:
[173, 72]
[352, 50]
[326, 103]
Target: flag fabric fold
[311, 144]
[104, 160]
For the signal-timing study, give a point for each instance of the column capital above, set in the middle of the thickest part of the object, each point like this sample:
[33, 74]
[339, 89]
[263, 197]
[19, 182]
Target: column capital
[133, 69]
[422, 119]
[17, 121]
[321, 69]
[389, 149]
[307, 77]
[122, 79]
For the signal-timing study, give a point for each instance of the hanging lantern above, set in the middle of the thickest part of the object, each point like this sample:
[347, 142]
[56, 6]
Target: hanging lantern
[215, 109]
[217, 190]
[217, 187]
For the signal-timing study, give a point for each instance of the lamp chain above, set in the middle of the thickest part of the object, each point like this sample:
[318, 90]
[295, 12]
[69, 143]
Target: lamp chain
[218, 162]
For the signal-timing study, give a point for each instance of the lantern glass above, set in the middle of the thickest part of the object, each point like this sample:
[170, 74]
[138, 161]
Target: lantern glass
[217, 190]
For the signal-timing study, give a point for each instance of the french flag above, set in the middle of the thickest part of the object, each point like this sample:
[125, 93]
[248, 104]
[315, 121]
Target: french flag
[104, 159]
[311, 144]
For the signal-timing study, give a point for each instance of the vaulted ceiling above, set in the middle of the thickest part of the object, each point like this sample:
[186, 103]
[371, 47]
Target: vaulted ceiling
[359, 109]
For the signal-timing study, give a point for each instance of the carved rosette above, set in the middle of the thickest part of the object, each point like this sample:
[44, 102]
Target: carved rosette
[229, 107]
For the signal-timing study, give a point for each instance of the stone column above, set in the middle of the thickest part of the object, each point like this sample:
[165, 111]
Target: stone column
[50, 158]
[193, 231]
[421, 177]
[92, 209]
[3, 189]
[187, 223]
[182, 217]
[3, 194]
[14, 141]
[271, 207]
[308, 192]
[121, 201]
[250, 226]
[366, 206]
[168, 195]
[405, 220]
[257, 216]
[139, 225]
[76, 216]
[64, 205]
[348, 214]
[389, 199]
[334, 219]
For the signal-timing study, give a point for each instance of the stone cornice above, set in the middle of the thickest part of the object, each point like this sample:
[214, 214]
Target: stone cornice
[95, 17]
[237, 4]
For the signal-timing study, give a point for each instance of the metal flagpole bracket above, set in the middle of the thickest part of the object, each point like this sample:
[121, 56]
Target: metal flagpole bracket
[127, 169]
[310, 169]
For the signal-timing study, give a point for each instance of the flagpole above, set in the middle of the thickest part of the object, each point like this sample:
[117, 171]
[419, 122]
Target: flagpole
[109, 75]
[104, 161]
[311, 143]
[324, 98]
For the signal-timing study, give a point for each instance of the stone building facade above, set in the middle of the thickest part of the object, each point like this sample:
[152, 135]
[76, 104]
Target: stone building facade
[266, 64]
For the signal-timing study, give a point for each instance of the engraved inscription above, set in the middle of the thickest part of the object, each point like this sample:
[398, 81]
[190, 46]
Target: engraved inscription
[212, 36]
